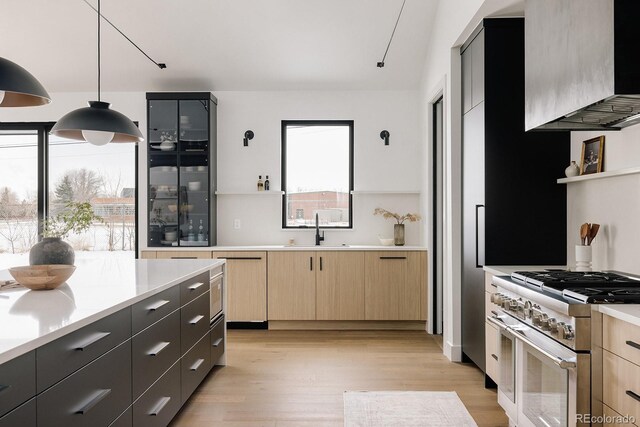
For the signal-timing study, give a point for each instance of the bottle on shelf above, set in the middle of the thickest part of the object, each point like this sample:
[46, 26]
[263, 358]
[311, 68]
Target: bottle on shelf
[266, 184]
[191, 235]
[200, 232]
[260, 183]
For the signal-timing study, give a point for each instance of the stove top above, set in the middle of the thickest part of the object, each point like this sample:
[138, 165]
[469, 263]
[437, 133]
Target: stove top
[583, 287]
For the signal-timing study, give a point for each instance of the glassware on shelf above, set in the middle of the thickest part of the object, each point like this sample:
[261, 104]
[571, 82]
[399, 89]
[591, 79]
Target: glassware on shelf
[201, 232]
[191, 237]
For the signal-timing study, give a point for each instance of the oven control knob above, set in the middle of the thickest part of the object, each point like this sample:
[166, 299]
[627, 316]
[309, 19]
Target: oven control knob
[544, 321]
[553, 324]
[535, 315]
[496, 298]
[567, 332]
[527, 309]
[513, 305]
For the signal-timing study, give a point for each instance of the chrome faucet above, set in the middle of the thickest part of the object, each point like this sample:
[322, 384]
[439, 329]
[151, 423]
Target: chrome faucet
[319, 238]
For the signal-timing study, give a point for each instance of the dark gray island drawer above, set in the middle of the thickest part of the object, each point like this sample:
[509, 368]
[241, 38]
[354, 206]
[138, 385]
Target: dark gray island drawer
[158, 405]
[152, 309]
[58, 359]
[192, 288]
[217, 340]
[22, 416]
[154, 350]
[17, 381]
[94, 396]
[124, 420]
[196, 364]
[194, 320]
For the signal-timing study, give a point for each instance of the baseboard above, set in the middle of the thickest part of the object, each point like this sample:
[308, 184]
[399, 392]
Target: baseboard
[247, 325]
[453, 352]
[353, 325]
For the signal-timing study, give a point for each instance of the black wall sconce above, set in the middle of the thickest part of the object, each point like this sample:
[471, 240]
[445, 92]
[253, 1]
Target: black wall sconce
[247, 136]
[385, 135]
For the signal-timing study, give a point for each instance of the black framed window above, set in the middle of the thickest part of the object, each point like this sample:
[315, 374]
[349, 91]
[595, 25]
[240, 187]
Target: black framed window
[317, 173]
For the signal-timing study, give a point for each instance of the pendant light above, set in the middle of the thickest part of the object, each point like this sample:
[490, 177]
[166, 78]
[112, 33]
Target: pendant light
[97, 123]
[18, 87]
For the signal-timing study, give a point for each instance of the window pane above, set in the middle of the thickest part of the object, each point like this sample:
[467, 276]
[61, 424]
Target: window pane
[18, 196]
[317, 173]
[105, 177]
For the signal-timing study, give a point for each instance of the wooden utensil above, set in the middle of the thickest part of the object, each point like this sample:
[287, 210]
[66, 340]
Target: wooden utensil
[584, 231]
[593, 231]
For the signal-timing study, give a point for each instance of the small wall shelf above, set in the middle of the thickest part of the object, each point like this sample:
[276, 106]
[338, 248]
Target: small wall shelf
[356, 192]
[250, 193]
[609, 174]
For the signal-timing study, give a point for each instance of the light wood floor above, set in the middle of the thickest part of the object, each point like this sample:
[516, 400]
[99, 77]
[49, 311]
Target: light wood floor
[296, 378]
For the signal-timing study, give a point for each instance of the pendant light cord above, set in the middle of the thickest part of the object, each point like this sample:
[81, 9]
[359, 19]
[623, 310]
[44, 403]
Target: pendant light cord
[381, 63]
[98, 50]
[160, 65]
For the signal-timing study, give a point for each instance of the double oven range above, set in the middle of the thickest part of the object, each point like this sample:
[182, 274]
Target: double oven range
[544, 319]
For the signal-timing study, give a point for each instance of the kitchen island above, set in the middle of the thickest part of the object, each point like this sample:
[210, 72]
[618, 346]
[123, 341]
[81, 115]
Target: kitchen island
[124, 341]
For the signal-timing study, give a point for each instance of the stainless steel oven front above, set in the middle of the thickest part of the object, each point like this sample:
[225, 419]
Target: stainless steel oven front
[216, 288]
[542, 382]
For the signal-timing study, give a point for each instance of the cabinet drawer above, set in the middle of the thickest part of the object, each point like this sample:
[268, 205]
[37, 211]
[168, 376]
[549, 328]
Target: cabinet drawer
[158, 405]
[154, 350]
[613, 419]
[194, 321]
[193, 288]
[17, 381]
[621, 385]
[217, 340]
[56, 360]
[195, 366]
[154, 308]
[94, 396]
[124, 420]
[491, 351]
[621, 338]
[23, 416]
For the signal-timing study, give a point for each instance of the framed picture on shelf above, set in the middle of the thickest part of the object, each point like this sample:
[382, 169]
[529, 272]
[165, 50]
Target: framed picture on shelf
[592, 155]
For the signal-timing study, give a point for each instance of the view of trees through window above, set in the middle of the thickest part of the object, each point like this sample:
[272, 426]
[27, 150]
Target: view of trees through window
[80, 172]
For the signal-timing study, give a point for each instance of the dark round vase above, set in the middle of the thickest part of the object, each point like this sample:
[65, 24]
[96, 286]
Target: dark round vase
[51, 250]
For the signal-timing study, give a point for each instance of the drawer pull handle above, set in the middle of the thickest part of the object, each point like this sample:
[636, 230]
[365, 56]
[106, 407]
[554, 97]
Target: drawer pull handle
[633, 344]
[217, 342]
[159, 406]
[157, 305]
[92, 340]
[242, 258]
[4, 388]
[196, 319]
[633, 395]
[158, 348]
[196, 365]
[195, 286]
[97, 397]
[494, 356]
[184, 257]
[393, 257]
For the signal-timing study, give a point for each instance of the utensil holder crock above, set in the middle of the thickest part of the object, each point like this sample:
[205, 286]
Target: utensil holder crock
[583, 258]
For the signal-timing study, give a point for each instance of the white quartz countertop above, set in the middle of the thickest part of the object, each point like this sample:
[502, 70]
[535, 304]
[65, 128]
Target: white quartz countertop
[289, 248]
[98, 288]
[506, 270]
[629, 313]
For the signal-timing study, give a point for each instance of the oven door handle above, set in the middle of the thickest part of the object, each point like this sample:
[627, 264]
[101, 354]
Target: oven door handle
[496, 320]
[562, 363]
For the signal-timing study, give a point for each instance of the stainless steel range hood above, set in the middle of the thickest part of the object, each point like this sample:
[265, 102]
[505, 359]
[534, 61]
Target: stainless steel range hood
[582, 64]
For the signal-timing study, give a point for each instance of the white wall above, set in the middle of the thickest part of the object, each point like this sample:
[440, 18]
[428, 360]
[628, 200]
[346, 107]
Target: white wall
[614, 203]
[397, 166]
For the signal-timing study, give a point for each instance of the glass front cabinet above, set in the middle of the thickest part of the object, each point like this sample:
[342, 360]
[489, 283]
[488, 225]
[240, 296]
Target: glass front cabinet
[181, 156]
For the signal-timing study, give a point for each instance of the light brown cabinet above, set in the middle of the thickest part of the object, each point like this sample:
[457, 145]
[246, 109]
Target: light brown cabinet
[246, 285]
[395, 285]
[340, 286]
[183, 255]
[292, 285]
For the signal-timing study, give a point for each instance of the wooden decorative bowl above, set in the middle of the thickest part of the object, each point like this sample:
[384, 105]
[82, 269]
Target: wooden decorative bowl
[42, 277]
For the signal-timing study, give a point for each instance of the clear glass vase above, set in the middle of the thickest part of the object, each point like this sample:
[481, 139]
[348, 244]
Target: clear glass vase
[398, 234]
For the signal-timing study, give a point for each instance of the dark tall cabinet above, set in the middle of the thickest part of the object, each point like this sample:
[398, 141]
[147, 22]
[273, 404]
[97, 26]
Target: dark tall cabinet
[181, 153]
[513, 211]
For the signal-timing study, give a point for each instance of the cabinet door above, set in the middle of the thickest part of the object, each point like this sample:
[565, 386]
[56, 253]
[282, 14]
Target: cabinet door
[246, 286]
[340, 286]
[292, 286]
[393, 286]
[183, 254]
[477, 70]
[491, 351]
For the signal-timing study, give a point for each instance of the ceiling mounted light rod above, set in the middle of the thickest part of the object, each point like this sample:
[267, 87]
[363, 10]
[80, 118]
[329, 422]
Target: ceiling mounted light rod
[18, 87]
[97, 124]
[381, 63]
[160, 65]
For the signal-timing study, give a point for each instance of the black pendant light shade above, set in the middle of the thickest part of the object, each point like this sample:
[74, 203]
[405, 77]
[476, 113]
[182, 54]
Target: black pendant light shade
[18, 88]
[97, 117]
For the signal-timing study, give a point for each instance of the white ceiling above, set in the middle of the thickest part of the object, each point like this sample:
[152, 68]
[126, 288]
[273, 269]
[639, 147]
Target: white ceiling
[219, 44]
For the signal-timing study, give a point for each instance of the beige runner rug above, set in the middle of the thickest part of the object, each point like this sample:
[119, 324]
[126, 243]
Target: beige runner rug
[405, 409]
